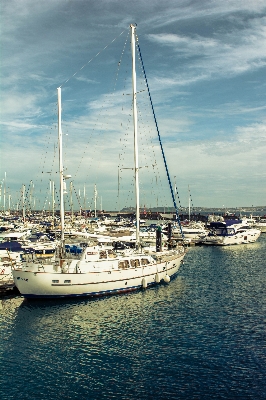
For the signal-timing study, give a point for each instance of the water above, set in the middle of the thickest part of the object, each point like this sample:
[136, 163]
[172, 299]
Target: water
[202, 336]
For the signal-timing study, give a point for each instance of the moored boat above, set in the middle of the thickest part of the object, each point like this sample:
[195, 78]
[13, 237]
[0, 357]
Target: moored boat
[192, 231]
[99, 271]
[230, 232]
[261, 224]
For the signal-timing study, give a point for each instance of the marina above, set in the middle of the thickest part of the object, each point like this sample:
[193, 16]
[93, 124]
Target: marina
[21, 243]
[20, 246]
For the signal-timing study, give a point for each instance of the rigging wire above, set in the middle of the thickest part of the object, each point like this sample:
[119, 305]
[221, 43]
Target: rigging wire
[160, 141]
[72, 76]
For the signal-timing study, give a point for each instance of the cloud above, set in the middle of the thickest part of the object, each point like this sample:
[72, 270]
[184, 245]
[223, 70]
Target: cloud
[253, 136]
[225, 54]
[204, 10]
[86, 80]
[239, 155]
[19, 104]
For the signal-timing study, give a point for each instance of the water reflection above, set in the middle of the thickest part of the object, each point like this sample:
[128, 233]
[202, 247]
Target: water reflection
[203, 333]
[101, 317]
[85, 346]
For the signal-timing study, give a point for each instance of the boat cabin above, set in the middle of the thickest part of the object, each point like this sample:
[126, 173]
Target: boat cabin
[227, 228]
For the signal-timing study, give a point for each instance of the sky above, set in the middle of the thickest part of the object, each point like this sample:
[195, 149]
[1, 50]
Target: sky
[205, 64]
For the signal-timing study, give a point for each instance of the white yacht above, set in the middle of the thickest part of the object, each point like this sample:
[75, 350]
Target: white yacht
[230, 232]
[261, 224]
[99, 271]
[7, 260]
[192, 231]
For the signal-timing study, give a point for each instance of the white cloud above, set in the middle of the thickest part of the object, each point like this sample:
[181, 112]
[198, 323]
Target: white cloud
[225, 54]
[19, 105]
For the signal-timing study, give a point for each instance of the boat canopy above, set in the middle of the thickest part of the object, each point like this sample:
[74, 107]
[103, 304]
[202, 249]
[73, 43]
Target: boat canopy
[224, 224]
[10, 246]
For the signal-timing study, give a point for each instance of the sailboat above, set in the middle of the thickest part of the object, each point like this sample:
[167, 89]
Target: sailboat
[99, 271]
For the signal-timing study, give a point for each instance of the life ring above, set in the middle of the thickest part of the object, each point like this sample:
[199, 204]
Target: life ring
[3, 271]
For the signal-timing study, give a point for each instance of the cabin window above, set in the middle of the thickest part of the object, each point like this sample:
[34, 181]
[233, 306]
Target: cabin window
[230, 231]
[103, 254]
[91, 253]
[111, 254]
[135, 263]
[50, 251]
[144, 261]
[55, 281]
[123, 264]
[67, 281]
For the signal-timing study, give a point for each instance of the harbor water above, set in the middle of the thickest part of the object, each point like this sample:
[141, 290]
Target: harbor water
[202, 336]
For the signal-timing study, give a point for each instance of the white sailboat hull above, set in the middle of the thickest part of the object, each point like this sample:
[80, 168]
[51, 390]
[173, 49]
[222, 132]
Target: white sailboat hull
[42, 284]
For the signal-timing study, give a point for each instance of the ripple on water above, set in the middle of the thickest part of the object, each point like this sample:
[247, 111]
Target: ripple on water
[200, 337]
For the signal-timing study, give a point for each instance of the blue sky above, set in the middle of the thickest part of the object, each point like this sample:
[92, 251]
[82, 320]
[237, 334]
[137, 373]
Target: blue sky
[206, 67]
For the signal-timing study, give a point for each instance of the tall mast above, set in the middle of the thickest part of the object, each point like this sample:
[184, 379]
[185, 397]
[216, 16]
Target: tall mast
[5, 193]
[95, 201]
[135, 123]
[188, 204]
[84, 198]
[23, 204]
[61, 170]
[71, 201]
[53, 202]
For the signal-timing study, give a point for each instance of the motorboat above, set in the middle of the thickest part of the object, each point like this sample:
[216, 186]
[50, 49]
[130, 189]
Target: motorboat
[230, 232]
